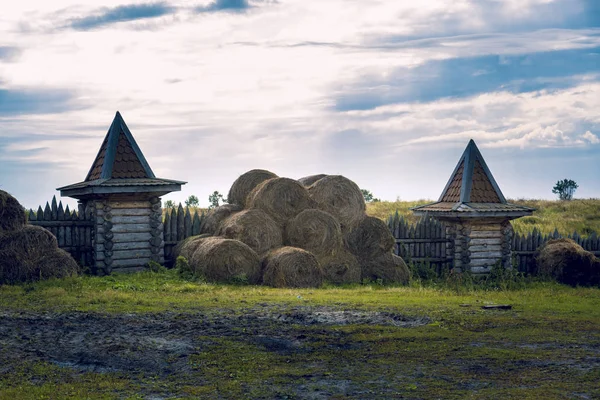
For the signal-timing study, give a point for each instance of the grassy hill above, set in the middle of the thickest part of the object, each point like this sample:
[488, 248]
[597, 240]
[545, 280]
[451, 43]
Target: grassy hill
[581, 215]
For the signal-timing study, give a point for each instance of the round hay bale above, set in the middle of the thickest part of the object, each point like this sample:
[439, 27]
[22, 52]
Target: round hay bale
[342, 267]
[29, 241]
[186, 247]
[315, 231]
[340, 197]
[389, 268]
[253, 227]
[216, 216]
[12, 214]
[292, 267]
[58, 264]
[371, 238]
[567, 262]
[243, 185]
[281, 198]
[309, 180]
[226, 260]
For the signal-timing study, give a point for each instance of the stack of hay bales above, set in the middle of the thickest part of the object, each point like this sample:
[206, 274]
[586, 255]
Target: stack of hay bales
[295, 233]
[567, 262]
[28, 253]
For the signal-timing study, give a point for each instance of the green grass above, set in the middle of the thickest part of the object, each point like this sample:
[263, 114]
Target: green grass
[539, 349]
[581, 215]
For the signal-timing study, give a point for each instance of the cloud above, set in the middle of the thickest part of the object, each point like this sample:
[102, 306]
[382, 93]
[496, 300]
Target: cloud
[9, 53]
[590, 137]
[465, 77]
[34, 101]
[225, 5]
[108, 16]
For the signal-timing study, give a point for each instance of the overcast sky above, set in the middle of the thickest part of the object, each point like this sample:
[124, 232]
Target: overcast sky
[385, 92]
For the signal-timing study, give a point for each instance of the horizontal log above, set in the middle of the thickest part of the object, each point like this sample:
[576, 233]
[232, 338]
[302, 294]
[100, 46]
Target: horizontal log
[130, 204]
[480, 262]
[486, 254]
[489, 242]
[127, 211]
[140, 263]
[117, 228]
[127, 219]
[481, 270]
[126, 237]
[143, 254]
[486, 234]
[491, 247]
[131, 245]
[487, 227]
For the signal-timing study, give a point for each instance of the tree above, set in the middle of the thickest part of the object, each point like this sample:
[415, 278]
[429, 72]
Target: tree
[215, 198]
[369, 196]
[565, 189]
[192, 201]
[169, 204]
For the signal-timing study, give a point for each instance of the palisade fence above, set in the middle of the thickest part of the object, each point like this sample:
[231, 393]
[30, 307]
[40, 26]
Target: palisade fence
[424, 241]
[73, 229]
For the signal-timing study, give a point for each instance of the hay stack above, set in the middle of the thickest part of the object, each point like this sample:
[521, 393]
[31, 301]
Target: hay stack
[12, 214]
[342, 267]
[217, 215]
[281, 198]
[292, 267]
[243, 185]
[226, 260]
[340, 197]
[186, 247]
[567, 262]
[371, 238]
[315, 231]
[253, 227]
[388, 268]
[309, 180]
[58, 264]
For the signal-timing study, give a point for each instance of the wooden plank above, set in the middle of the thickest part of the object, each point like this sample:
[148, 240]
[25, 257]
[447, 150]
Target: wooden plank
[127, 228]
[489, 242]
[127, 254]
[486, 234]
[487, 227]
[130, 204]
[54, 210]
[173, 224]
[187, 223]
[196, 225]
[480, 248]
[167, 227]
[127, 237]
[491, 255]
[180, 223]
[131, 245]
[128, 211]
[61, 236]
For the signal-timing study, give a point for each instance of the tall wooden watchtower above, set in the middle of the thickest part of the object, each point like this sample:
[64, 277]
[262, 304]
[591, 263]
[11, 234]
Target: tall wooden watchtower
[123, 196]
[476, 214]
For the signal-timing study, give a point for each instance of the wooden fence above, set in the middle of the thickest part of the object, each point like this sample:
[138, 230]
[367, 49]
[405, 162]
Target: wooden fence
[178, 225]
[73, 229]
[524, 246]
[424, 241]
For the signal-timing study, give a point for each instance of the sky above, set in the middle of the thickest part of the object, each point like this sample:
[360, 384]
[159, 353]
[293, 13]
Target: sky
[385, 92]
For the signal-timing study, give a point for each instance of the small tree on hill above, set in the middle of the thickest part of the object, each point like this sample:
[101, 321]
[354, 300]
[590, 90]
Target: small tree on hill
[192, 201]
[369, 196]
[215, 198]
[169, 204]
[565, 189]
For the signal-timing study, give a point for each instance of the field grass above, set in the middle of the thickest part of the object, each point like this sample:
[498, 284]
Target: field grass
[547, 346]
[580, 215]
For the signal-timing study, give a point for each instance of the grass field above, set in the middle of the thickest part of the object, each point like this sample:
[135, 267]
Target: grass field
[249, 341]
[581, 215]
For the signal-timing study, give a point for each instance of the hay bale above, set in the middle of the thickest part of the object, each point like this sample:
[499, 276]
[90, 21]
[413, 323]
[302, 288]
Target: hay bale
[389, 268]
[243, 185]
[309, 180]
[567, 262]
[281, 198]
[29, 241]
[315, 231]
[292, 267]
[253, 227]
[340, 197]
[58, 264]
[186, 247]
[217, 215]
[12, 214]
[371, 238]
[341, 267]
[226, 260]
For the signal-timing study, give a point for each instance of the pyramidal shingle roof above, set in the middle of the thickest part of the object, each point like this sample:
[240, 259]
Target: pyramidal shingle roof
[472, 188]
[120, 167]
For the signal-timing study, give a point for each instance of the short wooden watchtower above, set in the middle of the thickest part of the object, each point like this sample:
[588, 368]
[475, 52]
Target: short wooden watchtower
[476, 214]
[123, 195]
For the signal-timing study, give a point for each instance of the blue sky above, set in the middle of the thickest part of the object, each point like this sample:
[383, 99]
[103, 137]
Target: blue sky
[387, 93]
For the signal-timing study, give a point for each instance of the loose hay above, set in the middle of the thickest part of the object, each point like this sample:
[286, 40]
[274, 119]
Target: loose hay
[216, 216]
[342, 267]
[389, 268]
[315, 231]
[243, 185]
[186, 247]
[371, 238]
[567, 262]
[253, 227]
[309, 180]
[340, 197]
[12, 214]
[281, 198]
[292, 267]
[226, 260]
